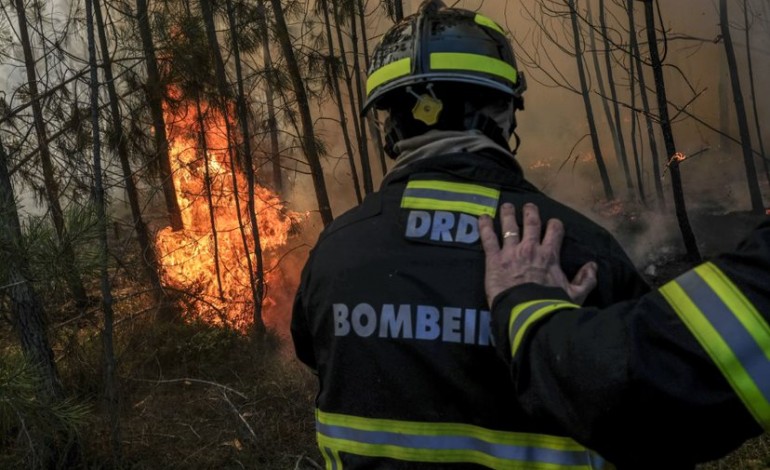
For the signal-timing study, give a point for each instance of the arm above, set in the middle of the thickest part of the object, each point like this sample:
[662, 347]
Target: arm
[643, 379]
[300, 322]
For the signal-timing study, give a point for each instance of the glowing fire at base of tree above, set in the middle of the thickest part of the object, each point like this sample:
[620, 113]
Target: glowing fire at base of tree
[221, 291]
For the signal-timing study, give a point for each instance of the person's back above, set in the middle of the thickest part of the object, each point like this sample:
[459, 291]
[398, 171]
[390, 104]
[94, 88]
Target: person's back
[392, 312]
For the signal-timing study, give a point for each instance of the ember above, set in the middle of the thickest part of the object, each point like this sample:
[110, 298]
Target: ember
[189, 256]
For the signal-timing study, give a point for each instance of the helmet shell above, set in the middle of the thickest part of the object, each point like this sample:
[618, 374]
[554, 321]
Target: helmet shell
[442, 45]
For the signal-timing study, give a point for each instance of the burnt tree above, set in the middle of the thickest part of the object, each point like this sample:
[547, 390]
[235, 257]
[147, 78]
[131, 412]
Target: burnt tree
[740, 110]
[668, 137]
[585, 92]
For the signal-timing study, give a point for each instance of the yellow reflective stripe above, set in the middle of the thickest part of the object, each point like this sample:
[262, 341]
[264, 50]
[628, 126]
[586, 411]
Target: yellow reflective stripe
[388, 73]
[437, 205]
[707, 302]
[448, 442]
[747, 314]
[489, 23]
[473, 63]
[450, 196]
[524, 315]
[464, 188]
[447, 429]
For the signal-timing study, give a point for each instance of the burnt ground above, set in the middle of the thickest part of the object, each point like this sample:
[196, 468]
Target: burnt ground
[655, 244]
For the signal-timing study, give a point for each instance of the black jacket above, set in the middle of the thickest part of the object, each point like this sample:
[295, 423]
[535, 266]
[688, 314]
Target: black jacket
[679, 376]
[391, 313]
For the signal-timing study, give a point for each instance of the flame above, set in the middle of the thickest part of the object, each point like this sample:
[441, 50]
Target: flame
[189, 256]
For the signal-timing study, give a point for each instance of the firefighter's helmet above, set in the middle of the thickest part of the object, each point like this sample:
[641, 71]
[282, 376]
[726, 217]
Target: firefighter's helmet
[428, 67]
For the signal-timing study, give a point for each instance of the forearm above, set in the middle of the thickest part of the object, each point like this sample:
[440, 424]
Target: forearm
[631, 381]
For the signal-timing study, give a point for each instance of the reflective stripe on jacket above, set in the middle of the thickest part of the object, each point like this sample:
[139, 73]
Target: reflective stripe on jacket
[682, 372]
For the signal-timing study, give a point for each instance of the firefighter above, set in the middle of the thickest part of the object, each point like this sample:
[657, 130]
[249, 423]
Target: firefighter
[391, 311]
[676, 377]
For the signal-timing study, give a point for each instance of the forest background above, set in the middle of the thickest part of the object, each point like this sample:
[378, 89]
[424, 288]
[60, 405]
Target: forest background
[166, 165]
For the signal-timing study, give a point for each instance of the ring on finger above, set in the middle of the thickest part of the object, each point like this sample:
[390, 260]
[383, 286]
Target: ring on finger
[510, 234]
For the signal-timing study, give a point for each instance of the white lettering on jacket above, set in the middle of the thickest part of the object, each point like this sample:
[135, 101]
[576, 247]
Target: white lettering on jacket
[442, 226]
[420, 322]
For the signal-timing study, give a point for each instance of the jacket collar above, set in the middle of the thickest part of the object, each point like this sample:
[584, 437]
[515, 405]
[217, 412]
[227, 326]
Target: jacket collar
[488, 166]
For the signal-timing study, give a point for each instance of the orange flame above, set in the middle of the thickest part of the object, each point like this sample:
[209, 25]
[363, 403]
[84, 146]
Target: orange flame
[223, 296]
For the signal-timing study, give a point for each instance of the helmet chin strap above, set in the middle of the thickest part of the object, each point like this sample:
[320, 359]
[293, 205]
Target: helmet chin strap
[479, 121]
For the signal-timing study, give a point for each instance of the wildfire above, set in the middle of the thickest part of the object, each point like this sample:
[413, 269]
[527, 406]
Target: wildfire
[189, 256]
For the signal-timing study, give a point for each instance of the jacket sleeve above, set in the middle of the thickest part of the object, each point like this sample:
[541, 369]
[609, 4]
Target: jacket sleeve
[682, 372]
[300, 322]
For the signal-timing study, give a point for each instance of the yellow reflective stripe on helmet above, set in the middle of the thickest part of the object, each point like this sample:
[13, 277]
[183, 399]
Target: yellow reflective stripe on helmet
[730, 330]
[447, 196]
[473, 63]
[489, 23]
[524, 315]
[388, 73]
[449, 443]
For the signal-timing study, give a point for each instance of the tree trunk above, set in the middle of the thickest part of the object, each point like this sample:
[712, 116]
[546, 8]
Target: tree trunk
[110, 373]
[46, 162]
[740, 110]
[614, 95]
[340, 104]
[634, 117]
[155, 98]
[373, 130]
[600, 84]
[272, 123]
[257, 279]
[750, 63]
[668, 137]
[204, 149]
[308, 133]
[27, 314]
[587, 103]
[637, 59]
[365, 162]
[363, 149]
[149, 257]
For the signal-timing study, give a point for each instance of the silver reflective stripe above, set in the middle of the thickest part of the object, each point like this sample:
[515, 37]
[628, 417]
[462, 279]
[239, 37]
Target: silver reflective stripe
[524, 315]
[451, 443]
[730, 329]
[451, 196]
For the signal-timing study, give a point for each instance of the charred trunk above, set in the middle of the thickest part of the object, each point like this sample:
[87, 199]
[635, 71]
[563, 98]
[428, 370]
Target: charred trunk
[614, 95]
[740, 110]
[750, 63]
[587, 103]
[637, 62]
[668, 137]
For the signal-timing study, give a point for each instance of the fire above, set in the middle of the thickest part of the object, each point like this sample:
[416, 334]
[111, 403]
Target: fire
[678, 157]
[189, 257]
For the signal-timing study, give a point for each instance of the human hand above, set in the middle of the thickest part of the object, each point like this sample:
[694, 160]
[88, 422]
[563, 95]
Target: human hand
[528, 260]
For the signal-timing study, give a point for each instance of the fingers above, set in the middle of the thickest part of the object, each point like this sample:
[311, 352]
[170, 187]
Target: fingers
[531, 231]
[508, 224]
[583, 283]
[488, 238]
[553, 238]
